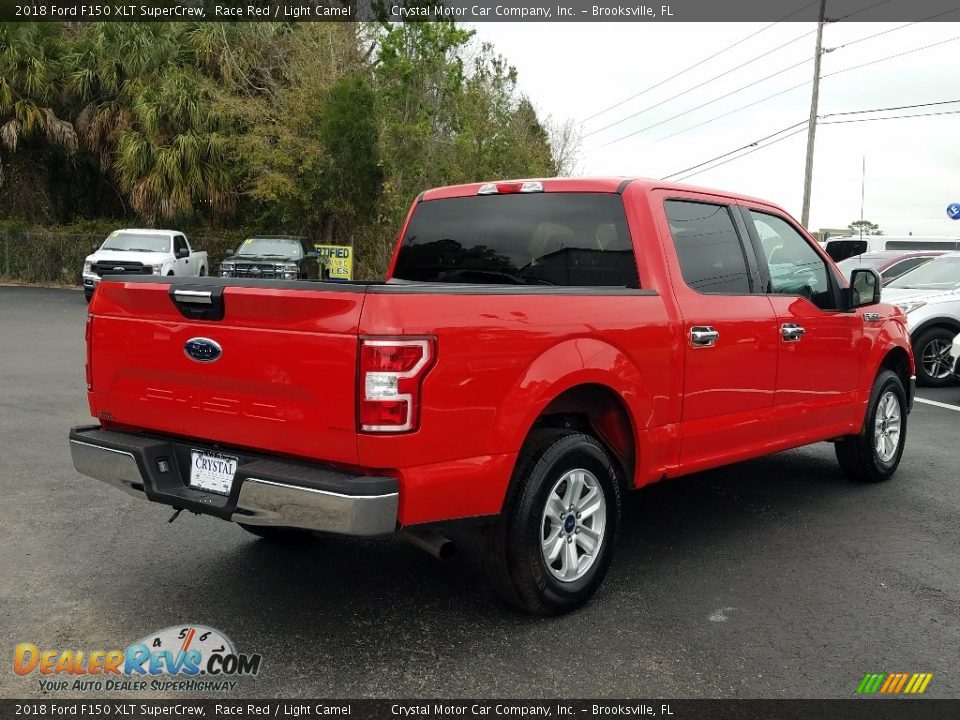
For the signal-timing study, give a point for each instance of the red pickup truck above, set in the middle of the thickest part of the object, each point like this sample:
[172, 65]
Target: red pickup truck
[538, 349]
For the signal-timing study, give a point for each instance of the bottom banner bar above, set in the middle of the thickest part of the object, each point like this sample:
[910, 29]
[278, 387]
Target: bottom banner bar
[853, 709]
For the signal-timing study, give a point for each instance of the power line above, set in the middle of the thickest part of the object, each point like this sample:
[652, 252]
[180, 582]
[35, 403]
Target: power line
[894, 29]
[769, 97]
[709, 102]
[700, 85]
[750, 152]
[731, 112]
[892, 117]
[732, 152]
[795, 87]
[890, 109]
[861, 10]
[698, 63]
[752, 60]
[756, 143]
[891, 57]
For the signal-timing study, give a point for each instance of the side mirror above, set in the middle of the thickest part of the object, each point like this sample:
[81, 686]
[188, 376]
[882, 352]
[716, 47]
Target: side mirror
[311, 256]
[94, 247]
[183, 253]
[865, 286]
[230, 252]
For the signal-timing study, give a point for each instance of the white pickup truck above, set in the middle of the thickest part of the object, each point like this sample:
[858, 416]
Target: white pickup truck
[142, 252]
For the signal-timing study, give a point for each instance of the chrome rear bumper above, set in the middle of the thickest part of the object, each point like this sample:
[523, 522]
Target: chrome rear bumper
[266, 491]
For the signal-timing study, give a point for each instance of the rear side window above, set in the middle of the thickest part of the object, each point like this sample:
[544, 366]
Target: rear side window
[708, 247]
[565, 239]
[900, 268]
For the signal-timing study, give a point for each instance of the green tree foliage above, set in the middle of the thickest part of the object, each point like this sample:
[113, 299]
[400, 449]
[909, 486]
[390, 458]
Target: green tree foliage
[325, 129]
[864, 227]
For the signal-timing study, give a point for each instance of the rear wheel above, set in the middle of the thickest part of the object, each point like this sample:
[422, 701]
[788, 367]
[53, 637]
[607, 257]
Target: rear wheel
[550, 548]
[874, 454]
[932, 352]
[203, 271]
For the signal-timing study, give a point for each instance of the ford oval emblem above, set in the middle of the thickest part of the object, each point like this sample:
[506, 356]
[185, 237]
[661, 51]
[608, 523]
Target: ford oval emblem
[202, 349]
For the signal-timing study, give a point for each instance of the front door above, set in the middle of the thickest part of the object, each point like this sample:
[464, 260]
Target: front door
[819, 344]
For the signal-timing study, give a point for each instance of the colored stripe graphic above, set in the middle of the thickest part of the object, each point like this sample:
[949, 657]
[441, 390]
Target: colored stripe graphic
[894, 683]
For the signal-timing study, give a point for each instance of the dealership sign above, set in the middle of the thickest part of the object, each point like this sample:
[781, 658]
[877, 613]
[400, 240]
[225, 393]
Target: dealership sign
[338, 259]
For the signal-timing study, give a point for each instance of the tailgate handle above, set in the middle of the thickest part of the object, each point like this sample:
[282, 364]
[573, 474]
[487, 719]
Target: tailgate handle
[200, 297]
[198, 301]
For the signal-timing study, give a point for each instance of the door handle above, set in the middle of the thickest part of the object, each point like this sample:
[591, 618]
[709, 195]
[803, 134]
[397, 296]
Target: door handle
[791, 332]
[703, 336]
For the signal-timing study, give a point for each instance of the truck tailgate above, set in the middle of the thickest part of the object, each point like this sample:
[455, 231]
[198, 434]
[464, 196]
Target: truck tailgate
[283, 380]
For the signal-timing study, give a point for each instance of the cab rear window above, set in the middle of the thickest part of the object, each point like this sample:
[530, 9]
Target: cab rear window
[565, 239]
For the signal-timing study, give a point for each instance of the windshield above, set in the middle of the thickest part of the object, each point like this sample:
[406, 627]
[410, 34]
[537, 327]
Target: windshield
[270, 247]
[939, 274]
[857, 261]
[567, 239]
[137, 242]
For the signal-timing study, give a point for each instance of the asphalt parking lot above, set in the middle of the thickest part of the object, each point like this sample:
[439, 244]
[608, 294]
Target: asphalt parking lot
[771, 578]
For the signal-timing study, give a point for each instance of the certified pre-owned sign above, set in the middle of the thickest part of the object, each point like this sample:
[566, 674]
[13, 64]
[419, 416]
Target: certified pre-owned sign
[186, 658]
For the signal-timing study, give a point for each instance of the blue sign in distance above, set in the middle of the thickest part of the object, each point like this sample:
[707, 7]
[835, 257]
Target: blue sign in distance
[953, 211]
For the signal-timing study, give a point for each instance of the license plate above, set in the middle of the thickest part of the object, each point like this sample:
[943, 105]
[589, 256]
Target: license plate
[212, 472]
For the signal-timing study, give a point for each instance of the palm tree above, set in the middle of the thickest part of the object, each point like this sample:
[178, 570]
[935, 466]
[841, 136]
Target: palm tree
[31, 69]
[147, 113]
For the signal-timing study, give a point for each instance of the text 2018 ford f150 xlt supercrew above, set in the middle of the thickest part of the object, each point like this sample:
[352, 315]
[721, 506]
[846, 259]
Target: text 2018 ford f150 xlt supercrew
[539, 348]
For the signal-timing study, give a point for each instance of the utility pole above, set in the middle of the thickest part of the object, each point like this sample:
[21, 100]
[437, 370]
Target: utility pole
[863, 185]
[812, 126]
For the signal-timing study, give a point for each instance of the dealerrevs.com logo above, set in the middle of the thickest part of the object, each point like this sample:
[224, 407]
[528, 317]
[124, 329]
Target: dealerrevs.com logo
[186, 658]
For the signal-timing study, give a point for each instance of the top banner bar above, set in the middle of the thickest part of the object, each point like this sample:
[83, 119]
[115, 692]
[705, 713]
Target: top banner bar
[542, 11]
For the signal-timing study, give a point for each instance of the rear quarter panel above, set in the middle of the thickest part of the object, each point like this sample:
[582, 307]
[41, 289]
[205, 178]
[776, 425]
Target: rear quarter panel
[501, 360]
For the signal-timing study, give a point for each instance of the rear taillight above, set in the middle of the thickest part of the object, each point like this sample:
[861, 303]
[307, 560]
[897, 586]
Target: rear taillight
[391, 378]
[88, 336]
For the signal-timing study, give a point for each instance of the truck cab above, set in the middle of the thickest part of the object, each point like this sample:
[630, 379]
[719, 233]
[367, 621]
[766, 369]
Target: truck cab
[142, 252]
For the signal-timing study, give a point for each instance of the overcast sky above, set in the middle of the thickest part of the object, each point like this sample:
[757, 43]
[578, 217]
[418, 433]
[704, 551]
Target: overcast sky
[572, 71]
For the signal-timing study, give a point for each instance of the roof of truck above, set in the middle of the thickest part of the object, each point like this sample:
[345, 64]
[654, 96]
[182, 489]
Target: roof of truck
[155, 231]
[588, 184]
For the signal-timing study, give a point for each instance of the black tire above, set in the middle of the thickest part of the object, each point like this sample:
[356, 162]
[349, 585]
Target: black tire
[277, 534]
[933, 342]
[87, 294]
[514, 557]
[858, 455]
[203, 271]
[170, 274]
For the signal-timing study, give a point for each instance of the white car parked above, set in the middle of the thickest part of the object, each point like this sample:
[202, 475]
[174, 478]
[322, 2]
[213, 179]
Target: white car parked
[142, 252]
[955, 355]
[930, 296]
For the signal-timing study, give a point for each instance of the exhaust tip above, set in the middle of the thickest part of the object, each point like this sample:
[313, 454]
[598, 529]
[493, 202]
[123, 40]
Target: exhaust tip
[431, 542]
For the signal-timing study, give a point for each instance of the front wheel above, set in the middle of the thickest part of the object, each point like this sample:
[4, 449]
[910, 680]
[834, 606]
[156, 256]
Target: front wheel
[874, 454]
[932, 352]
[550, 548]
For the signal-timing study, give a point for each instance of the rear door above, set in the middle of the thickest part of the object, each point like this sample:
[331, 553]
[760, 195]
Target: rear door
[729, 334]
[819, 357]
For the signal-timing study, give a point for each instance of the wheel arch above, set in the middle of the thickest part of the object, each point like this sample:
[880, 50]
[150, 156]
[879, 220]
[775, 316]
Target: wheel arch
[581, 383]
[597, 410]
[941, 321]
[898, 361]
